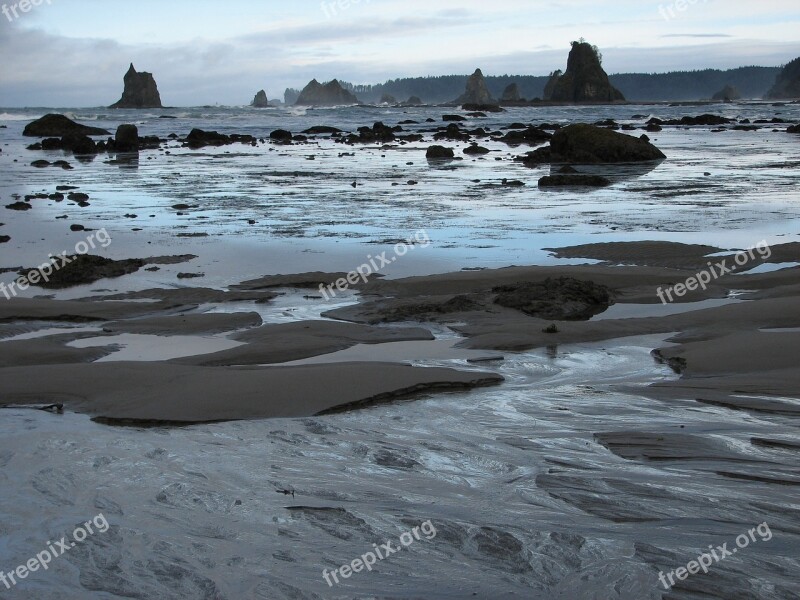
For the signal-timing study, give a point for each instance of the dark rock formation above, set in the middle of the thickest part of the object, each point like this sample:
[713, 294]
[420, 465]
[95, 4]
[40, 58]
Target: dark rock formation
[4, 239]
[198, 138]
[550, 86]
[22, 206]
[532, 136]
[793, 129]
[587, 144]
[79, 144]
[439, 153]
[476, 150]
[330, 94]
[573, 181]
[84, 269]
[388, 99]
[322, 129]
[413, 101]
[477, 92]
[788, 84]
[126, 139]
[727, 94]
[261, 100]
[140, 91]
[281, 136]
[54, 125]
[584, 81]
[511, 94]
[562, 299]
[378, 133]
[692, 121]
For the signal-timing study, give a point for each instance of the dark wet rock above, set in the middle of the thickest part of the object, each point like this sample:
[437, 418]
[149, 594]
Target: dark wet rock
[63, 164]
[561, 299]
[540, 156]
[584, 80]
[439, 153]
[330, 94]
[83, 269]
[492, 108]
[4, 239]
[453, 118]
[322, 129]
[692, 121]
[512, 183]
[198, 138]
[793, 129]
[19, 206]
[452, 132]
[573, 181]
[477, 91]
[587, 144]
[281, 136]
[66, 188]
[727, 94]
[260, 100]
[378, 133]
[787, 85]
[40, 164]
[511, 94]
[78, 197]
[191, 275]
[654, 128]
[476, 150]
[567, 169]
[388, 99]
[77, 227]
[127, 138]
[476, 115]
[532, 136]
[140, 91]
[55, 125]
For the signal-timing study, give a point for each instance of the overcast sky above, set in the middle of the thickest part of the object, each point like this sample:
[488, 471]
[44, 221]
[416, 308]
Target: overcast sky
[74, 53]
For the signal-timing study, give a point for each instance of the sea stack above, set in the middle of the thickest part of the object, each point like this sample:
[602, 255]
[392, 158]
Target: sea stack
[261, 100]
[477, 91]
[330, 94]
[140, 91]
[584, 81]
[787, 86]
[511, 94]
[727, 94]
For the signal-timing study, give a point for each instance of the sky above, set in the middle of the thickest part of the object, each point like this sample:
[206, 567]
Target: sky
[74, 53]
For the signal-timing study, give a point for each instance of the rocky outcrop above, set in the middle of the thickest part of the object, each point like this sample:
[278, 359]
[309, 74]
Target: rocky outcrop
[788, 84]
[587, 144]
[330, 94]
[439, 153]
[477, 91]
[584, 80]
[511, 94]
[140, 91]
[727, 94]
[54, 125]
[261, 100]
[413, 101]
[127, 138]
[388, 99]
[561, 299]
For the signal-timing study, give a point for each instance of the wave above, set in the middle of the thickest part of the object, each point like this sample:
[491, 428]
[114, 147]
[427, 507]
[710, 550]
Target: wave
[17, 117]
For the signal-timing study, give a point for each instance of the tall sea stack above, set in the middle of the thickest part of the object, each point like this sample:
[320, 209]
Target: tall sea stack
[477, 91]
[140, 91]
[261, 100]
[584, 81]
[330, 94]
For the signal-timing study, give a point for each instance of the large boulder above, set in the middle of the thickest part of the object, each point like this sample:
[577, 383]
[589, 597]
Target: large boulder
[727, 94]
[140, 91]
[126, 139]
[261, 100]
[440, 153]
[561, 299]
[330, 94]
[54, 125]
[477, 91]
[587, 144]
[584, 80]
[788, 84]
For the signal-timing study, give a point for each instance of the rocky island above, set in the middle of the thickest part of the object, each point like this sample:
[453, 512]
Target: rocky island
[140, 91]
[329, 94]
[585, 81]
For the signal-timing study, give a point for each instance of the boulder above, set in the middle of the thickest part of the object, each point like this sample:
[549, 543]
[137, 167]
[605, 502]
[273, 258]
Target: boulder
[140, 91]
[477, 91]
[584, 80]
[261, 100]
[281, 136]
[793, 129]
[126, 139]
[727, 94]
[330, 94]
[511, 94]
[476, 150]
[587, 144]
[54, 125]
[787, 85]
[440, 153]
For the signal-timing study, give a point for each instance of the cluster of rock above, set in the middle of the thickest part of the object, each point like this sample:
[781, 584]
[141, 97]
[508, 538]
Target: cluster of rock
[329, 94]
[584, 81]
[61, 133]
[140, 91]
